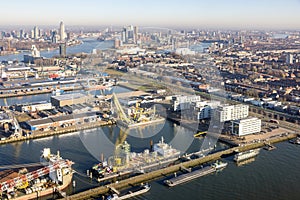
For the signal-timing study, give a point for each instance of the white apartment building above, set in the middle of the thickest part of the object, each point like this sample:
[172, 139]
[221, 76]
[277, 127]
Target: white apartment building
[231, 112]
[205, 109]
[246, 126]
[184, 102]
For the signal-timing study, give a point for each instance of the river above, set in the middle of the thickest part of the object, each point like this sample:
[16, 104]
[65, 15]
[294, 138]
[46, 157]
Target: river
[86, 47]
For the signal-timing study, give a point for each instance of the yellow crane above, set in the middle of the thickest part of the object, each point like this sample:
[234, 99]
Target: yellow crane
[120, 111]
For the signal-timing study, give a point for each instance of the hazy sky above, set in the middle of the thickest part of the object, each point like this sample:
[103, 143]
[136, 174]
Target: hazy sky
[198, 13]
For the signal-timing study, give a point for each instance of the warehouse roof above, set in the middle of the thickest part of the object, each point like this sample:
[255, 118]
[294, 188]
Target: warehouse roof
[69, 96]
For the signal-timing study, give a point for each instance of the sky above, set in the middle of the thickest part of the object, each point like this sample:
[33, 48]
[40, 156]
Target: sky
[258, 14]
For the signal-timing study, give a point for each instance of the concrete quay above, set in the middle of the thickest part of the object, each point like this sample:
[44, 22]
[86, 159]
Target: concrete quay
[60, 131]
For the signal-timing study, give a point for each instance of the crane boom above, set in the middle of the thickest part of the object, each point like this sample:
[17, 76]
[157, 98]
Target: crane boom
[120, 110]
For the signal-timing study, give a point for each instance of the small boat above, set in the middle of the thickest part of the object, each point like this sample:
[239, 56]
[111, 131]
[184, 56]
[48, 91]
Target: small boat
[219, 165]
[200, 134]
[295, 141]
[131, 193]
[246, 155]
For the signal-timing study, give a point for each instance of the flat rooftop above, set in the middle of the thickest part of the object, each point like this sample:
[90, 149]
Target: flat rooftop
[4, 116]
[69, 96]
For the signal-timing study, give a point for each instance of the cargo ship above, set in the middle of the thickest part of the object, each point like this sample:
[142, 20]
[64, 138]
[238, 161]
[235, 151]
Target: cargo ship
[246, 155]
[217, 166]
[126, 162]
[131, 193]
[53, 175]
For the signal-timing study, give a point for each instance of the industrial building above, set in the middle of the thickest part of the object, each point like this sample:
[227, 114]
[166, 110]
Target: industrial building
[231, 112]
[60, 121]
[246, 126]
[68, 99]
[4, 121]
[34, 107]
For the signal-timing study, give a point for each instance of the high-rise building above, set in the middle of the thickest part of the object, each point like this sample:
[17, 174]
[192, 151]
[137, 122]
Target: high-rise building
[62, 33]
[124, 38]
[21, 33]
[130, 34]
[63, 50]
[54, 36]
[135, 34]
[36, 33]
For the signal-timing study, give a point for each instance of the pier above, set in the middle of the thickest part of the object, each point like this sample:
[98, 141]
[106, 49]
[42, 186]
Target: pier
[97, 192]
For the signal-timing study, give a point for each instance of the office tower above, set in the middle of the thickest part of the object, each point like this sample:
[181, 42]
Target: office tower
[135, 34]
[124, 35]
[21, 33]
[54, 36]
[62, 33]
[130, 34]
[63, 50]
[36, 33]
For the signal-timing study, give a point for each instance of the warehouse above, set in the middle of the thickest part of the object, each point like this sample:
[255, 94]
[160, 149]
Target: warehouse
[68, 99]
[34, 107]
[61, 121]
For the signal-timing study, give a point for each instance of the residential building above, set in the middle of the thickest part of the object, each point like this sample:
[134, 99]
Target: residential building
[246, 126]
[184, 102]
[205, 109]
[231, 112]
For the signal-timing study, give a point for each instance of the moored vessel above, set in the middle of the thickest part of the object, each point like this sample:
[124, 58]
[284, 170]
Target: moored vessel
[52, 175]
[246, 155]
[131, 193]
[217, 166]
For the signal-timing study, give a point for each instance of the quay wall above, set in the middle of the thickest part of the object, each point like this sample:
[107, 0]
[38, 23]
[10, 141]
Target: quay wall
[43, 134]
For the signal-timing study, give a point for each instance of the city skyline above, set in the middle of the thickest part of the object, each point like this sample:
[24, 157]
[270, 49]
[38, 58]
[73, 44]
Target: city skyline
[213, 14]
